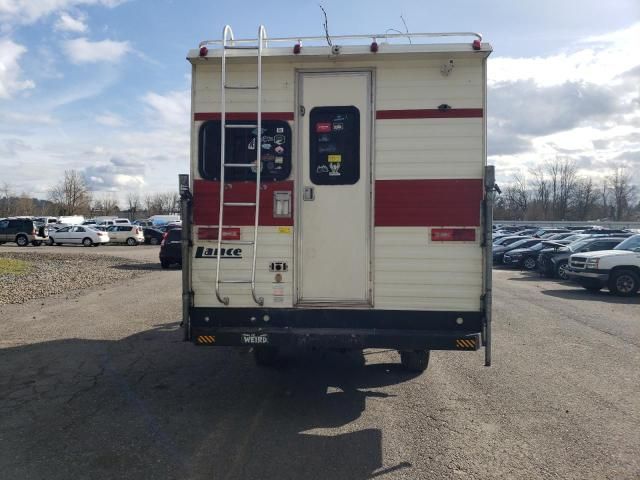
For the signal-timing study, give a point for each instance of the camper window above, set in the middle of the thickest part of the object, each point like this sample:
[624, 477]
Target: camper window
[241, 145]
[334, 145]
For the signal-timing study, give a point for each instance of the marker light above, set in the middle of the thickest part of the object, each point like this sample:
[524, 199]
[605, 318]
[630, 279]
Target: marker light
[374, 47]
[204, 51]
[297, 48]
[476, 45]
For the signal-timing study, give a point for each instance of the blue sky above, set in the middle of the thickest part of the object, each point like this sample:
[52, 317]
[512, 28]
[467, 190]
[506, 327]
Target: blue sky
[101, 86]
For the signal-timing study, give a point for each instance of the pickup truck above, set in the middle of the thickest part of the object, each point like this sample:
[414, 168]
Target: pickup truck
[617, 269]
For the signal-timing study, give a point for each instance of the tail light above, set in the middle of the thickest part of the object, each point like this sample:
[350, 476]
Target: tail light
[164, 237]
[35, 232]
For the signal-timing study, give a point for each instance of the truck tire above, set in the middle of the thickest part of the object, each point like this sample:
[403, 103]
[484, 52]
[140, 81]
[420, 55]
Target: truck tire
[22, 240]
[624, 283]
[561, 271]
[265, 356]
[415, 360]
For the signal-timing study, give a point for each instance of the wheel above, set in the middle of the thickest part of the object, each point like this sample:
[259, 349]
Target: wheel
[51, 241]
[22, 240]
[87, 242]
[561, 271]
[154, 241]
[132, 242]
[265, 356]
[415, 361]
[529, 263]
[164, 264]
[624, 283]
[36, 243]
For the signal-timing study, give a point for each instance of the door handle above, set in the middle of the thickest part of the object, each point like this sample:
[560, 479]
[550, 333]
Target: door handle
[308, 194]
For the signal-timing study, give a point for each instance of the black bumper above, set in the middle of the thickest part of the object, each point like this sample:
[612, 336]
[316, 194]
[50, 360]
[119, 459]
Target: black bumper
[336, 328]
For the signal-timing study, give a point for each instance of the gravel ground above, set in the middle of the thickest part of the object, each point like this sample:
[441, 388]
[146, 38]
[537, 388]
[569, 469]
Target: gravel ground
[54, 273]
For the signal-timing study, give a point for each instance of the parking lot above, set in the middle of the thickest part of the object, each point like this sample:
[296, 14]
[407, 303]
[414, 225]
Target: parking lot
[98, 384]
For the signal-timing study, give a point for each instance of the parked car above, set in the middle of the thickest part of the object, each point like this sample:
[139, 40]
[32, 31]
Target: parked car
[79, 235]
[500, 250]
[526, 258]
[22, 231]
[617, 269]
[544, 231]
[143, 223]
[553, 261]
[171, 248]
[152, 236]
[130, 234]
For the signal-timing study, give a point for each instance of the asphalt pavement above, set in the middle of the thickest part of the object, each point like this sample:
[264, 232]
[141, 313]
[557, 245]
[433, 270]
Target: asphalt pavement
[98, 384]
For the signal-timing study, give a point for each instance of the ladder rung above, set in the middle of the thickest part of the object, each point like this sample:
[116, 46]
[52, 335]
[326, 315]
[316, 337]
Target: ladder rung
[240, 47]
[240, 87]
[240, 165]
[239, 204]
[233, 125]
[235, 281]
[236, 242]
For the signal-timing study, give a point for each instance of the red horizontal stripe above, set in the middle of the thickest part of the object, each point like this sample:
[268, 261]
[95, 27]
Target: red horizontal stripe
[206, 196]
[424, 203]
[429, 113]
[286, 116]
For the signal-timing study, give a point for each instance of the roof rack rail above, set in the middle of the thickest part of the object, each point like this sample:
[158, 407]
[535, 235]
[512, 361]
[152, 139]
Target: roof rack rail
[371, 37]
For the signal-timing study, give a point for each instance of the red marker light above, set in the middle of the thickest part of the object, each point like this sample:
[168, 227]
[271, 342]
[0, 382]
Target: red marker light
[323, 127]
[297, 48]
[476, 45]
[204, 51]
[374, 47]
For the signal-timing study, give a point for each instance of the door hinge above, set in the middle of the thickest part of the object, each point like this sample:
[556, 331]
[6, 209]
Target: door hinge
[301, 110]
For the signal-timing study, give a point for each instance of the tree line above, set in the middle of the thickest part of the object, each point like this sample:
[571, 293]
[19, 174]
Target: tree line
[71, 196]
[555, 191]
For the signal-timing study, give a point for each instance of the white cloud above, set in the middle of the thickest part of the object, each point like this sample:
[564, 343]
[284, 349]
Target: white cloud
[30, 11]
[67, 23]
[109, 119]
[582, 104]
[81, 50]
[173, 109]
[10, 72]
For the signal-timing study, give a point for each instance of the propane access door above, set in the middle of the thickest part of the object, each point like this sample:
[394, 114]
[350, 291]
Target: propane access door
[334, 188]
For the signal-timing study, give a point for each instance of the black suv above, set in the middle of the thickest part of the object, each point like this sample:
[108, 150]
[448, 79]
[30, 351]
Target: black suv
[22, 231]
[171, 248]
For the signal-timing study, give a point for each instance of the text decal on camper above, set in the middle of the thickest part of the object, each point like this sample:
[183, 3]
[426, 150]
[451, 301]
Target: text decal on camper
[207, 252]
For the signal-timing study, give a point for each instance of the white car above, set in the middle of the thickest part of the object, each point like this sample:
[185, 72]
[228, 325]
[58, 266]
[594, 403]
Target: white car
[130, 234]
[78, 234]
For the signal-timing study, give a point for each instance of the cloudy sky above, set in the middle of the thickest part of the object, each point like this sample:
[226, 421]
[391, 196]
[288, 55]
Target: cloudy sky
[101, 86]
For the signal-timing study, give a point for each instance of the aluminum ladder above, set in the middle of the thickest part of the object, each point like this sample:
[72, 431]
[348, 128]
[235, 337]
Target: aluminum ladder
[228, 44]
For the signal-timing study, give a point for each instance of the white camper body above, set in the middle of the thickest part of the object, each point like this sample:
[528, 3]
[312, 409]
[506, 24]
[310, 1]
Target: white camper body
[372, 204]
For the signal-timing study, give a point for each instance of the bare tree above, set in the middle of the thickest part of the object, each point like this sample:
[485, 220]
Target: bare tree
[516, 197]
[24, 205]
[149, 204]
[584, 198]
[133, 202]
[541, 196]
[6, 200]
[622, 191]
[71, 195]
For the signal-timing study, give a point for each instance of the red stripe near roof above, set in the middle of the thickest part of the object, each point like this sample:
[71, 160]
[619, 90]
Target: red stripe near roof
[398, 203]
[426, 203]
[429, 113]
[286, 116]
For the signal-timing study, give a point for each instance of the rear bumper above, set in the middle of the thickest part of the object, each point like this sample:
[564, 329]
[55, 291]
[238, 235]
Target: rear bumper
[336, 328]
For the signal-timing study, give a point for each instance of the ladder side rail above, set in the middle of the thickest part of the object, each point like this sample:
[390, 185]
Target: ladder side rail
[227, 33]
[261, 37]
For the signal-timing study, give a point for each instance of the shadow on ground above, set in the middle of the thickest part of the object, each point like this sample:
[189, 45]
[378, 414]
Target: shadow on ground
[151, 406]
[144, 267]
[602, 296]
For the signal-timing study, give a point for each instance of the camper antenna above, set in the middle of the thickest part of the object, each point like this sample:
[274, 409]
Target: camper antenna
[325, 24]
[406, 29]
